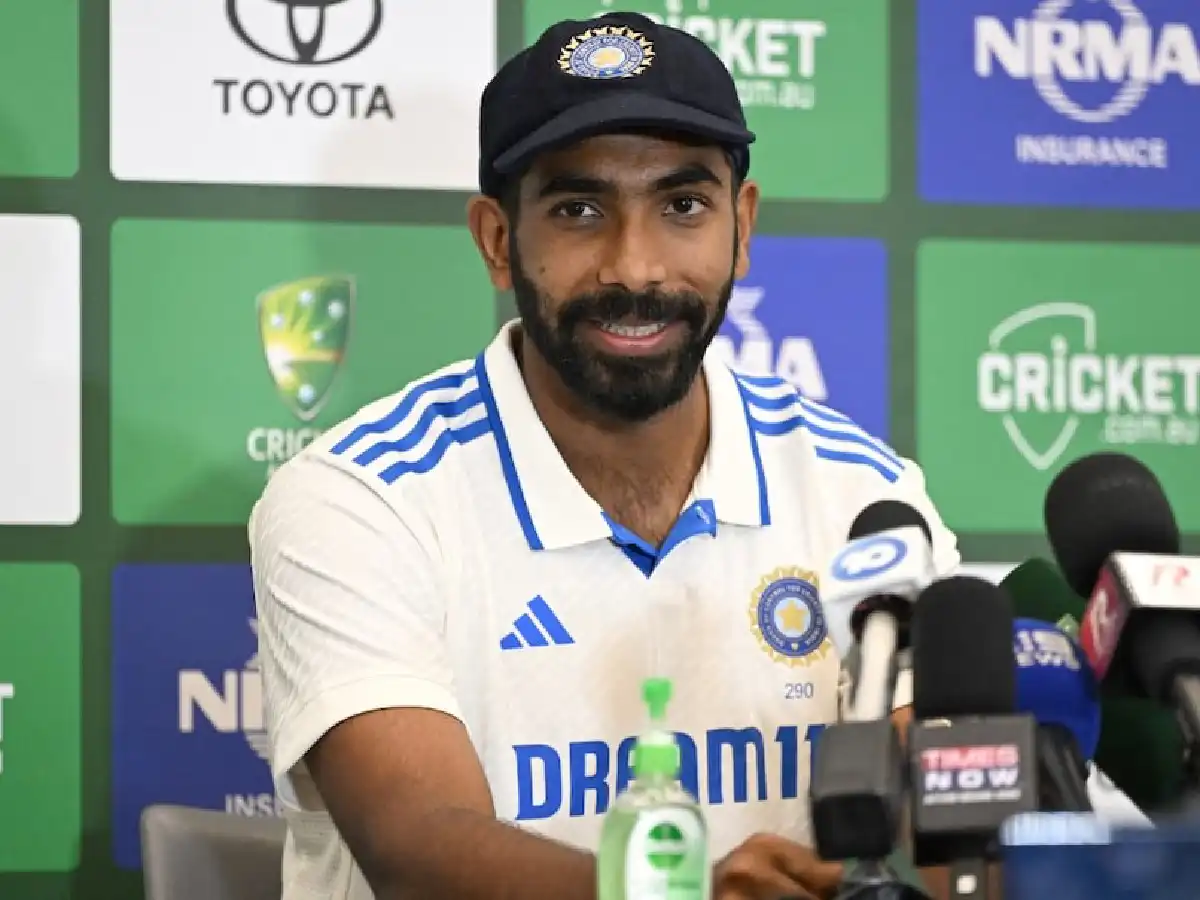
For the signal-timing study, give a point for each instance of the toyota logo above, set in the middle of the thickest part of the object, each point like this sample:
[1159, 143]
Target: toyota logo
[299, 36]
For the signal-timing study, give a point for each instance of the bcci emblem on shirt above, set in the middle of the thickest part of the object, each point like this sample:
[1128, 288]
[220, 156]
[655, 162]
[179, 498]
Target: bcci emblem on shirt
[786, 615]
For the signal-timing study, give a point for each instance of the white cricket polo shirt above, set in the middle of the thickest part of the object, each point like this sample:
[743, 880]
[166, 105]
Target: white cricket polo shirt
[434, 550]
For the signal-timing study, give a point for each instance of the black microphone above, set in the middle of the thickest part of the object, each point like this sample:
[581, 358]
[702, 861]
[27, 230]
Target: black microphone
[973, 759]
[1115, 537]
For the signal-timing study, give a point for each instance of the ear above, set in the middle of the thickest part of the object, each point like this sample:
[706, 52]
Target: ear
[747, 216]
[491, 231]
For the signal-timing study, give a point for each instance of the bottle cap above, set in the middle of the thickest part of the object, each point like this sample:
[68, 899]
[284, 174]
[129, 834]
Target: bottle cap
[656, 752]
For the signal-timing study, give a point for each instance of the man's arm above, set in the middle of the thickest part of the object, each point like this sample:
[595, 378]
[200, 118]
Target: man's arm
[359, 691]
[406, 791]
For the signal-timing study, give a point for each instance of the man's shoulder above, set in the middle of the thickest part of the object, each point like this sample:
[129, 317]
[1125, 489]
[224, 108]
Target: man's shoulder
[819, 456]
[834, 444]
[407, 435]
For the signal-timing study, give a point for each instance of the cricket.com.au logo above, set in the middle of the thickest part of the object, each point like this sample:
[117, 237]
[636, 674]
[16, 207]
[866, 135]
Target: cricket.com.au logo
[1093, 62]
[1045, 376]
[774, 61]
[304, 327]
[305, 34]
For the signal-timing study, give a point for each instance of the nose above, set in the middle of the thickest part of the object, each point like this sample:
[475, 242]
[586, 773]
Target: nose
[632, 259]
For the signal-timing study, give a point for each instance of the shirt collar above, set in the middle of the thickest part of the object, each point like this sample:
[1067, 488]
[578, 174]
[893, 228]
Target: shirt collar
[553, 508]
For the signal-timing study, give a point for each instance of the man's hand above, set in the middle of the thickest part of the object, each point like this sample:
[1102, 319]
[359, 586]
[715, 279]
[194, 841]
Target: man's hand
[769, 867]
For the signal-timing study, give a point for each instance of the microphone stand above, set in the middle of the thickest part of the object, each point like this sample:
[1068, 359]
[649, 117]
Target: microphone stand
[877, 880]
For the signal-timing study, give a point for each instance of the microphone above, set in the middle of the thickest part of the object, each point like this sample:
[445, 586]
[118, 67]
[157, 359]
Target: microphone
[1038, 591]
[1059, 690]
[1111, 526]
[972, 757]
[857, 787]
[867, 596]
[1140, 748]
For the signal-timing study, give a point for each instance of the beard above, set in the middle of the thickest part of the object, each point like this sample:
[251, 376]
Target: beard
[627, 388]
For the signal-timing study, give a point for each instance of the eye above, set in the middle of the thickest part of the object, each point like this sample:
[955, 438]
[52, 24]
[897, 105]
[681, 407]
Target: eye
[687, 206]
[575, 209]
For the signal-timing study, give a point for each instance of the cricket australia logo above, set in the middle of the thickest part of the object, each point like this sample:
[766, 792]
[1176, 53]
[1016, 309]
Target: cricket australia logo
[305, 327]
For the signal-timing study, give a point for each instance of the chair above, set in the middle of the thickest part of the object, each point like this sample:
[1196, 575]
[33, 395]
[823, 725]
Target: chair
[202, 854]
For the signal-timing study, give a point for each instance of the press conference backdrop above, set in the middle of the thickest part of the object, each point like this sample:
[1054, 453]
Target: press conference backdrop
[980, 238]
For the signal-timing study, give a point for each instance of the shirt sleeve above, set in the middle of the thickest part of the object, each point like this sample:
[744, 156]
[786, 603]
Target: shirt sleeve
[350, 616]
[910, 488]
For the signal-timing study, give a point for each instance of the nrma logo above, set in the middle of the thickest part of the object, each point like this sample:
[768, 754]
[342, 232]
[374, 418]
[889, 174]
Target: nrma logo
[795, 359]
[1068, 46]
[234, 706]
[723, 765]
[1046, 377]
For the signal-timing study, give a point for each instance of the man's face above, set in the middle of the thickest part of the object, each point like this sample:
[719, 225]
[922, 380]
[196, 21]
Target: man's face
[622, 258]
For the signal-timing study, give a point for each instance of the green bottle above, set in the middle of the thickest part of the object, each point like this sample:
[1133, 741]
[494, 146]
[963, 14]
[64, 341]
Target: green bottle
[654, 844]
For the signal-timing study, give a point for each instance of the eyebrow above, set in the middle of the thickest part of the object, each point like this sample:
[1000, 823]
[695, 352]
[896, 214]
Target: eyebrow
[685, 176]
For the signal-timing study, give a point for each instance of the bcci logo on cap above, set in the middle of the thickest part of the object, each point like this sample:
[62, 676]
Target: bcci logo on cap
[305, 32]
[787, 618]
[868, 557]
[304, 327]
[613, 51]
[1045, 376]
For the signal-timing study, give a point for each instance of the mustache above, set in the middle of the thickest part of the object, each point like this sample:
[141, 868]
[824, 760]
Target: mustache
[618, 303]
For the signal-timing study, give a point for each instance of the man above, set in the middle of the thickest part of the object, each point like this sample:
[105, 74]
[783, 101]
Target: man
[462, 587]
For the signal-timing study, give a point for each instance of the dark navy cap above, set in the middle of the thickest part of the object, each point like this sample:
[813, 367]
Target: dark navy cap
[617, 72]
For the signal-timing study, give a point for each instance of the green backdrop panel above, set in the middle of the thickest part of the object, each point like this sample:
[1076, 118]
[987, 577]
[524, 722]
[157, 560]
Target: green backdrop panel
[40, 752]
[235, 343]
[1032, 355]
[39, 106]
[815, 67]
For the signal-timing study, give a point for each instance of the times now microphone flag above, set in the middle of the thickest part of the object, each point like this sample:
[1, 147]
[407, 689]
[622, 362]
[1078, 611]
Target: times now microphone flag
[971, 774]
[1132, 581]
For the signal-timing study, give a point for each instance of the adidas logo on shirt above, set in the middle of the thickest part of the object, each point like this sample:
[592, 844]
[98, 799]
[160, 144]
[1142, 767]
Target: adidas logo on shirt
[539, 627]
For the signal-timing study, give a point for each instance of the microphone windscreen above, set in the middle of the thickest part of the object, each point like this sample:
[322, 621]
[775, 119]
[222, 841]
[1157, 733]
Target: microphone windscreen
[962, 650]
[884, 515]
[1141, 750]
[1055, 683]
[1038, 591]
[1102, 504]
